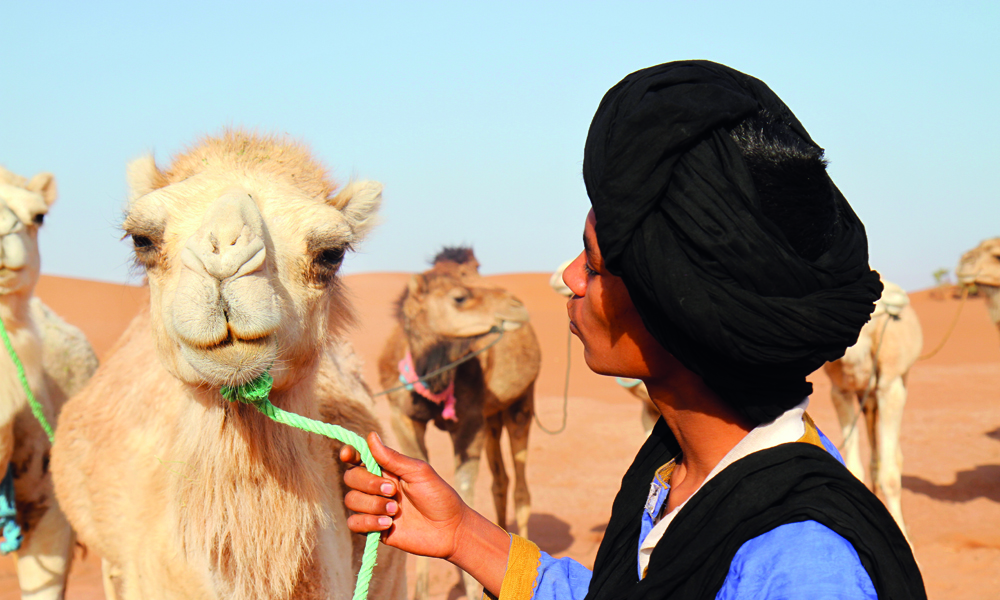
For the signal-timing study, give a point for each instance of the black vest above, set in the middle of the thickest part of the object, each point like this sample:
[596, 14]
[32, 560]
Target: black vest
[785, 484]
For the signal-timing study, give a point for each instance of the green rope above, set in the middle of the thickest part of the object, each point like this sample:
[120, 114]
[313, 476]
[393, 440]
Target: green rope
[36, 408]
[256, 394]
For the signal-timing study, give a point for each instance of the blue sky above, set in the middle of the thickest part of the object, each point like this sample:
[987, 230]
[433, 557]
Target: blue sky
[474, 115]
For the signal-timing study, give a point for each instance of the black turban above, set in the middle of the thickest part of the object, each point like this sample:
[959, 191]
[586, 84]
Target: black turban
[716, 281]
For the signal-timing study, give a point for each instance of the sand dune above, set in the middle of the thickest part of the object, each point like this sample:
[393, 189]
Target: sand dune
[951, 432]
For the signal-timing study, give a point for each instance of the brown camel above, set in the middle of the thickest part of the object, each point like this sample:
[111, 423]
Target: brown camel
[874, 371]
[57, 360]
[981, 266]
[183, 494]
[444, 314]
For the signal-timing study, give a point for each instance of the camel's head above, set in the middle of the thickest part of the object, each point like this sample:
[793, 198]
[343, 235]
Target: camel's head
[23, 206]
[241, 239]
[459, 260]
[439, 303]
[981, 265]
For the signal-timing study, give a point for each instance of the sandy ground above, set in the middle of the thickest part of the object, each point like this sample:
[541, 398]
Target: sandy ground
[951, 432]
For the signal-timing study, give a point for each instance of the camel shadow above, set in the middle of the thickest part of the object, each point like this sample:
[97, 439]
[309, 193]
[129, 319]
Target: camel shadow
[980, 482]
[995, 434]
[549, 532]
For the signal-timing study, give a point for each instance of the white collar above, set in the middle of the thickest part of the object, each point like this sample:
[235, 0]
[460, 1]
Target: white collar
[787, 427]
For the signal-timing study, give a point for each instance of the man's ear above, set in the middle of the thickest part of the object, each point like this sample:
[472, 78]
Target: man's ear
[359, 202]
[44, 184]
[143, 177]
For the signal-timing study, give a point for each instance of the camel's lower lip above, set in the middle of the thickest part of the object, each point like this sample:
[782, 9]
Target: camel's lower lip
[233, 361]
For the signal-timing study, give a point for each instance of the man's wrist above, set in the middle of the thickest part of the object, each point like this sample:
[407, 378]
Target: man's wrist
[481, 550]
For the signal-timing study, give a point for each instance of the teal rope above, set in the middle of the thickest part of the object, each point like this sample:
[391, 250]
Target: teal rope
[8, 514]
[256, 394]
[36, 408]
[627, 383]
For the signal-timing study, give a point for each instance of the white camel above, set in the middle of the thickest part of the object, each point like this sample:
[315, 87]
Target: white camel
[183, 494]
[873, 371]
[57, 361]
[981, 266]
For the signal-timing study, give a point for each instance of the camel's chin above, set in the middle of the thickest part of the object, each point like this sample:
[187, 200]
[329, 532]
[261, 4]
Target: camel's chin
[230, 364]
[11, 281]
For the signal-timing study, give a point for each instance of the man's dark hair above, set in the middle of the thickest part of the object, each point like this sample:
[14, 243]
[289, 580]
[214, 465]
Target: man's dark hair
[789, 174]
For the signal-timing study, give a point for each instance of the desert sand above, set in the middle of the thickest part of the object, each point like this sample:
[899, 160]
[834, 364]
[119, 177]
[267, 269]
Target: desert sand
[951, 431]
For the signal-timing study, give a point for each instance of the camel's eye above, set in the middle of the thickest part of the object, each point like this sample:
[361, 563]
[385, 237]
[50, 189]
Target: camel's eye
[331, 257]
[459, 297]
[39, 219]
[146, 251]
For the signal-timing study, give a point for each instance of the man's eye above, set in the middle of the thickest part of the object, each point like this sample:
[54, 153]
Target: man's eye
[589, 270]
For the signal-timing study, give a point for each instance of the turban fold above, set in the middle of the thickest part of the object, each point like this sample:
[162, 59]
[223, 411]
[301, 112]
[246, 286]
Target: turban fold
[716, 282]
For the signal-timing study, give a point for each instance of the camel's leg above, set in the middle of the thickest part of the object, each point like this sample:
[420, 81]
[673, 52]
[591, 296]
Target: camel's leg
[468, 442]
[492, 431]
[872, 417]
[892, 399]
[43, 561]
[411, 436]
[847, 407]
[111, 577]
[517, 419]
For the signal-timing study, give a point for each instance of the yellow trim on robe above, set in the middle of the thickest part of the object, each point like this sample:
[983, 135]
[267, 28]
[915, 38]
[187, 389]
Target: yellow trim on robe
[523, 561]
[811, 436]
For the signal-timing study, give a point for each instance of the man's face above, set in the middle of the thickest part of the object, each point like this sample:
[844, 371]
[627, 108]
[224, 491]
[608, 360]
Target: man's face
[602, 315]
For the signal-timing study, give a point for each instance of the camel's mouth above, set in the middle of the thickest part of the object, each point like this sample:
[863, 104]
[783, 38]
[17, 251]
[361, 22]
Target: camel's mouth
[233, 361]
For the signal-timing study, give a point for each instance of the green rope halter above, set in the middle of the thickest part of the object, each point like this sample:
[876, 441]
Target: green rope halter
[36, 408]
[256, 394]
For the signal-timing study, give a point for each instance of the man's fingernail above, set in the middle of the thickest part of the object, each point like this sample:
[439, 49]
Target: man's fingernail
[384, 521]
[378, 437]
[386, 489]
[391, 507]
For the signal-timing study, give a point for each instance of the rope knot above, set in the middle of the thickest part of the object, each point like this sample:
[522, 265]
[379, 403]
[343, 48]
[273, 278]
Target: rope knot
[253, 392]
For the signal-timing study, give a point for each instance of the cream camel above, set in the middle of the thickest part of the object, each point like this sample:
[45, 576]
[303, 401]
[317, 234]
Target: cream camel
[444, 314]
[183, 494]
[981, 266]
[57, 361]
[874, 371]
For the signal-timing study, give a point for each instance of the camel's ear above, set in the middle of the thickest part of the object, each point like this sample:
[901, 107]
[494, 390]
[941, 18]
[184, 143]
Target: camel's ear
[44, 184]
[143, 177]
[417, 285]
[359, 202]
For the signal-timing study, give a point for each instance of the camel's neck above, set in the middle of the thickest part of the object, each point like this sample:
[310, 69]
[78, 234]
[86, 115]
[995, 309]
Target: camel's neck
[432, 352]
[992, 294]
[255, 493]
[26, 341]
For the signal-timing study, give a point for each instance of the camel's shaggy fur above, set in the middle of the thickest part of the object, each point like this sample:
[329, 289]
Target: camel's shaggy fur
[444, 314]
[57, 361]
[876, 366]
[183, 494]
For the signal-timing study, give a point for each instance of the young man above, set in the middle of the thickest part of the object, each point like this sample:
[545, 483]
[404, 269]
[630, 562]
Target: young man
[721, 266]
